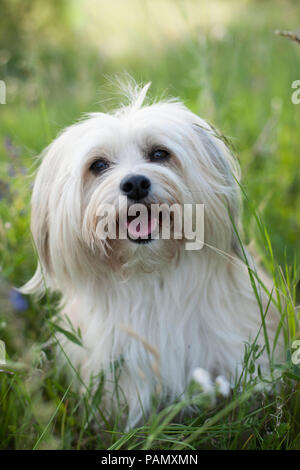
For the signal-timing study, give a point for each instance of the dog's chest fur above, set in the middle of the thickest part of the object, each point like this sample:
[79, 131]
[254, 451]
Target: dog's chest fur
[158, 327]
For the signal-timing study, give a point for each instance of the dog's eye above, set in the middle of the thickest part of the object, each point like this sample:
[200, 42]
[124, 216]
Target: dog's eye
[158, 155]
[99, 166]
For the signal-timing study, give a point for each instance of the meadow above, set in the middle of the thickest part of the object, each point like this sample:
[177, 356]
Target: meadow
[224, 61]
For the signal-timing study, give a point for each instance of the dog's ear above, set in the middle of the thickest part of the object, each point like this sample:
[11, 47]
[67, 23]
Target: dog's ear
[56, 215]
[222, 173]
[220, 157]
[39, 223]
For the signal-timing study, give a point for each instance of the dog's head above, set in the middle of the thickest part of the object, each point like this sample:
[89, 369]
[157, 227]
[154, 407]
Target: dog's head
[109, 167]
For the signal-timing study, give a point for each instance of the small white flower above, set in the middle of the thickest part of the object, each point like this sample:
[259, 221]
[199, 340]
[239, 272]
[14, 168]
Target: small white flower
[202, 377]
[223, 386]
[7, 225]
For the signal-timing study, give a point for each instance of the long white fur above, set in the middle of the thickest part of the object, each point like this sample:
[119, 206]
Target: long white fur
[159, 310]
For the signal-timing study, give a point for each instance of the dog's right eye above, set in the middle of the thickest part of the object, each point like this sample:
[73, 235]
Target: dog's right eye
[158, 155]
[99, 166]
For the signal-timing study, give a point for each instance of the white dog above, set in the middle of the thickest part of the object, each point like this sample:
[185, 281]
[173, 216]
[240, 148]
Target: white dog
[149, 310]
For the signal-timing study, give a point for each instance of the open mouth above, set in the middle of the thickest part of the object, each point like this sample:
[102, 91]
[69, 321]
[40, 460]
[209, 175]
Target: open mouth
[148, 223]
[141, 228]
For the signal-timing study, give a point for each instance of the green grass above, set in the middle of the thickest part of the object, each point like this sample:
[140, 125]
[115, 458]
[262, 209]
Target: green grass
[242, 84]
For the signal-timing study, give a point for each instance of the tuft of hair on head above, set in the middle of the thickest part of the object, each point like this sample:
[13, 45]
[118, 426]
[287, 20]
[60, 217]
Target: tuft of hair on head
[133, 94]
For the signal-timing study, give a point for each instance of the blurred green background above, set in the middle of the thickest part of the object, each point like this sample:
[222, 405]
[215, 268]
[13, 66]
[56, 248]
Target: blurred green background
[221, 57]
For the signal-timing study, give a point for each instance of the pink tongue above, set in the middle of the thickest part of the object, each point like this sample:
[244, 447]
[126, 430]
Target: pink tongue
[140, 228]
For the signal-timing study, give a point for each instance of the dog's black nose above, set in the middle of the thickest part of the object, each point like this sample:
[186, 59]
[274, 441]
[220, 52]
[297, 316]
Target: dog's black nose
[135, 186]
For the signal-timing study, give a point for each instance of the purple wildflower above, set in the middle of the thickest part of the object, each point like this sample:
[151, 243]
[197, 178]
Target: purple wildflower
[4, 189]
[17, 300]
[12, 150]
[11, 171]
[7, 143]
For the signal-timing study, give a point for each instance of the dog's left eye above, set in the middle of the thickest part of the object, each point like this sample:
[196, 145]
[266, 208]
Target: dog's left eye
[99, 166]
[159, 155]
